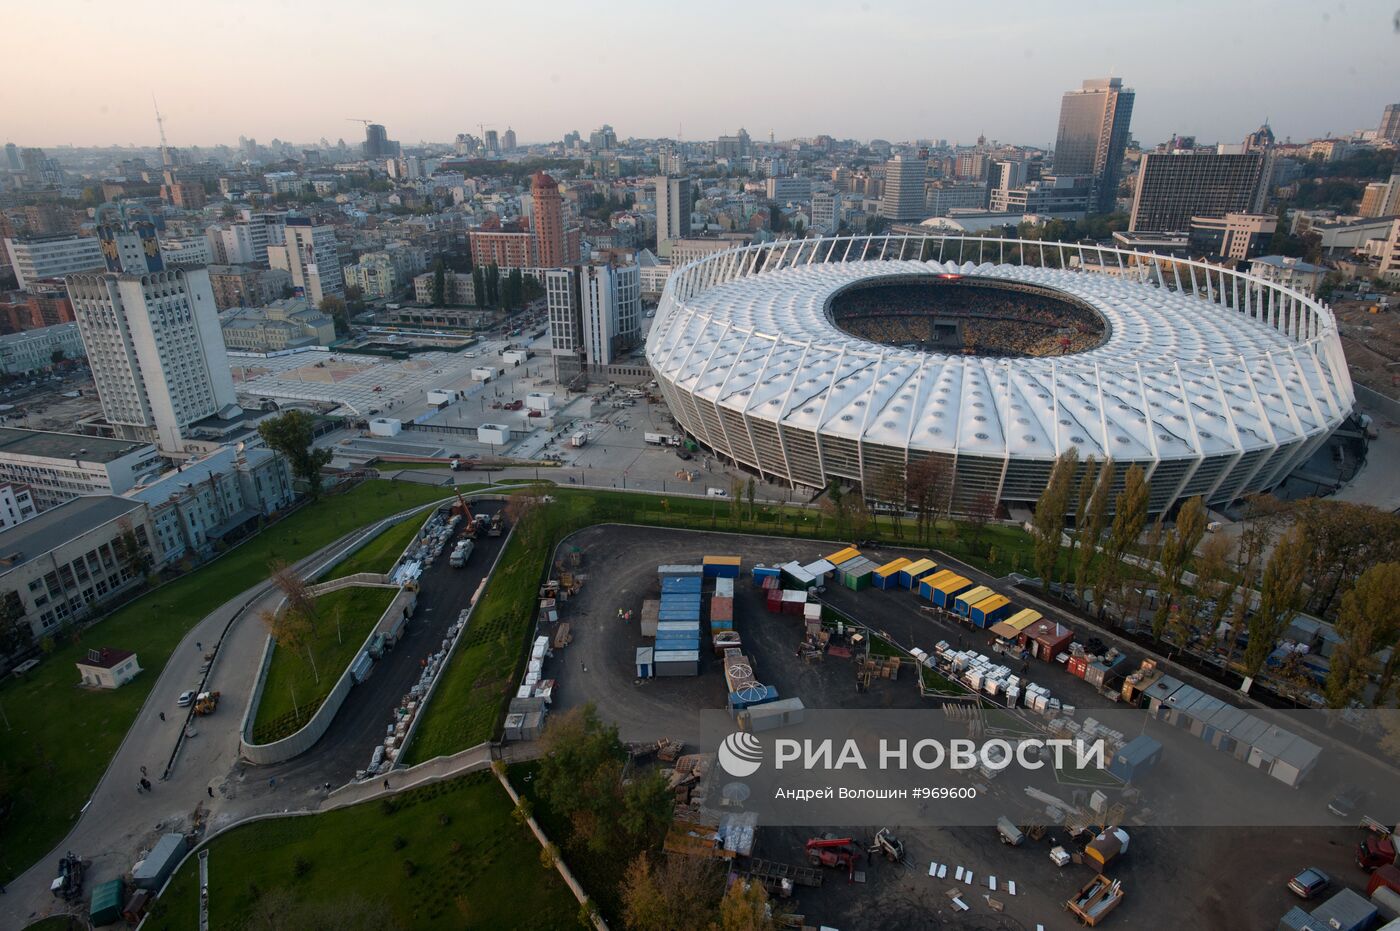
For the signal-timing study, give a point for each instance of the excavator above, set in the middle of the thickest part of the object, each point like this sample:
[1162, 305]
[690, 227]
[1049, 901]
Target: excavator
[834, 852]
[471, 523]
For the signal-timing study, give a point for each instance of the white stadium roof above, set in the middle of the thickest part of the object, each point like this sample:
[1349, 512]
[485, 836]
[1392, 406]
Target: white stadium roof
[1179, 376]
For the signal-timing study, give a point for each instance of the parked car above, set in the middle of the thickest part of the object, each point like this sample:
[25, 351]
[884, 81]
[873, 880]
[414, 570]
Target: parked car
[1310, 883]
[1347, 801]
[185, 698]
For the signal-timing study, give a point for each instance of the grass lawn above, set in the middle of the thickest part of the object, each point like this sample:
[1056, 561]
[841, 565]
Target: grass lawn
[61, 738]
[57, 923]
[478, 681]
[442, 856]
[379, 554]
[293, 693]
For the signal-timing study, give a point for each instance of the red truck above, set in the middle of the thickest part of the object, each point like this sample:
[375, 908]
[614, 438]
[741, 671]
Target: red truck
[1377, 848]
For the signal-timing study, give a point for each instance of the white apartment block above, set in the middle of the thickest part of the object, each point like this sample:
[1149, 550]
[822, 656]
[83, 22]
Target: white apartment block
[38, 257]
[33, 350]
[191, 251]
[16, 504]
[826, 212]
[60, 466]
[312, 257]
[156, 351]
[788, 190]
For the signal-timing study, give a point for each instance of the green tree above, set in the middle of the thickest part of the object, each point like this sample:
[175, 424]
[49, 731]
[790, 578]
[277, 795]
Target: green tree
[292, 435]
[750, 490]
[15, 632]
[479, 287]
[333, 307]
[1083, 494]
[891, 487]
[439, 283]
[1096, 517]
[1367, 620]
[1280, 594]
[1048, 524]
[1129, 517]
[1178, 543]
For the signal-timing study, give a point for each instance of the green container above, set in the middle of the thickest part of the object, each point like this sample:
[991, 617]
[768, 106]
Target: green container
[106, 905]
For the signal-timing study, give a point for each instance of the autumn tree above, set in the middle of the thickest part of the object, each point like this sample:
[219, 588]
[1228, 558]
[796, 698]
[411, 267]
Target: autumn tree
[1083, 495]
[745, 908]
[751, 492]
[980, 511]
[835, 506]
[1368, 620]
[928, 488]
[1129, 517]
[294, 589]
[1280, 596]
[1345, 540]
[1262, 516]
[1178, 544]
[674, 891]
[891, 488]
[1048, 524]
[291, 632]
[1216, 583]
[1095, 519]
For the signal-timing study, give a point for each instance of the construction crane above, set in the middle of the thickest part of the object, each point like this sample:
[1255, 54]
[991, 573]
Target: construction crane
[160, 124]
[351, 119]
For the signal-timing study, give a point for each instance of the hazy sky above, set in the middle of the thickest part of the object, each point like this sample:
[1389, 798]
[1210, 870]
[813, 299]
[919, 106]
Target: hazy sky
[83, 72]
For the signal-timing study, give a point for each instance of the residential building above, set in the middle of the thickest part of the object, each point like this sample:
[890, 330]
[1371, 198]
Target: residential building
[826, 212]
[1093, 135]
[673, 202]
[38, 257]
[458, 287]
[284, 324]
[378, 145]
[1289, 272]
[904, 197]
[1390, 254]
[653, 274]
[594, 315]
[1389, 129]
[214, 499]
[1329, 150]
[246, 286]
[44, 304]
[1381, 198]
[1173, 187]
[16, 504]
[508, 140]
[555, 246]
[506, 249]
[602, 138]
[35, 350]
[59, 466]
[312, 257]
[685, 251]
[385, 273]
[941, 197]
[1342, 236]
[156, 351]
[493, 142]
[246, 241]
[736, 146]
[1235, 236]
[788, 190]
[187, 195]
[64, 564]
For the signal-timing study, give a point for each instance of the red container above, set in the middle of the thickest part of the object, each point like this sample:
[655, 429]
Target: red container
[1077, 665]
[721, 609]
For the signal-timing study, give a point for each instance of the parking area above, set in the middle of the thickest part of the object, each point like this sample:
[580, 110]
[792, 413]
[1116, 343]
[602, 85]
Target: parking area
[1202, 877]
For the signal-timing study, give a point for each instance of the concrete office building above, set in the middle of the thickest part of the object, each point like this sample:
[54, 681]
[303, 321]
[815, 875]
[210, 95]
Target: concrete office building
[64, 564]
[1381, 198]
[1235, 236]
[673, 201]
[788, 190]
[458, 288]
[312, 257]
[245, 286]
[38, 257]
[1389, 129]
[594, 315]
[826, 212]
[246, 241]
[156, 351]
[60, 466]
[1288, 272]
[904, 197]
[1173, 187]
[1093, 136]
[34, 350]
[283, 324]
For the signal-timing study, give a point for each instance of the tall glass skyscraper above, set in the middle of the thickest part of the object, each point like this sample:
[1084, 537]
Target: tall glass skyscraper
[1093, 134]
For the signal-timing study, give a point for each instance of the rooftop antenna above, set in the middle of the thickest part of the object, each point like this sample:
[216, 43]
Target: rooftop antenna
[160, 124]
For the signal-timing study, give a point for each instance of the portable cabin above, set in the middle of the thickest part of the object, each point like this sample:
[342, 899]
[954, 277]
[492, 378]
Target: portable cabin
[927, 582]
[1158, 692]
[644, 655]
[1283, 755]
[1135, 757]
[963, 603]
[819, 569]
[915, 570]
[676, 663]
[155, 869]
[724, 587]
[944, 592]
[793, 600]
[887, 576]
[855, 574]
[720, 567]
[797, 577]
[681, 570]
[1011, 628]
[843, 555]
[721, 609]
[988, 611]
[1348, 910]
[1136, 684]
[1046, 639]
[780, 713]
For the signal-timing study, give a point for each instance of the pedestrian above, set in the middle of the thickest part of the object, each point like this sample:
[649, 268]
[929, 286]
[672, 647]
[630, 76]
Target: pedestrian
[272, 782]
[143, 770]
[211, 791]
[386, 783]
[146, 784]
[198, 645]
[162, 715]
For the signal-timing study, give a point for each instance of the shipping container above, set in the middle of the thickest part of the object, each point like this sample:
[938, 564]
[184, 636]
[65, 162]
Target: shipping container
[651, 616]
[721, 609]
[1077, 665]
[962, 604]
[716, 567]
[887, 576]
[944, 592]
[856, 573]
[989, 611]
[754, 695]
[913, 571]
[765, 572]
[105, 907]
[680, 570]
[680, 585]
[780, 713]
[676, 663]
[155, 869]
[843, 555]
[796, 576]
[724, 587]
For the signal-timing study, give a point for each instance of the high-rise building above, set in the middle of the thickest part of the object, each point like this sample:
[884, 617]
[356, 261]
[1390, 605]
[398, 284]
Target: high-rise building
[1381, 198]
[1173, 187]
[672, 211]
[156, 351]
[377, 143]
[736, 146]
[602, 138]
[38, 257]
[1390, 123]
[594, 315]
[493, 142]
[245, 242]
[508, 140]
[12, 161]
[312, 257]
[1093, 135]
[826, 212]
[904, 189]
[548, 222]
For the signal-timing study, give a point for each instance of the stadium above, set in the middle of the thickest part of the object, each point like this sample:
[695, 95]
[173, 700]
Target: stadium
[848, 359]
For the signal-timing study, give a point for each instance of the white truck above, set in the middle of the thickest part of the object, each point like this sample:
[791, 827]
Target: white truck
[578, 440]
[662, 439]
[461, 553]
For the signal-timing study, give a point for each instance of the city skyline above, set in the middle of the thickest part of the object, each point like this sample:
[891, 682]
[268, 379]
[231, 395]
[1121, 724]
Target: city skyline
[1215, 89]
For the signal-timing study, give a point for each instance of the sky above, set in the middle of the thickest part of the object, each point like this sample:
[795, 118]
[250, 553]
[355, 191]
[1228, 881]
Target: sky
[83, 73]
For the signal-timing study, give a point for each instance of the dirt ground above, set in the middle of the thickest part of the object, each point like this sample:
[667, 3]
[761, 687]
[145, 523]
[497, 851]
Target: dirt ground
[1372, 345]
[1210, 878]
